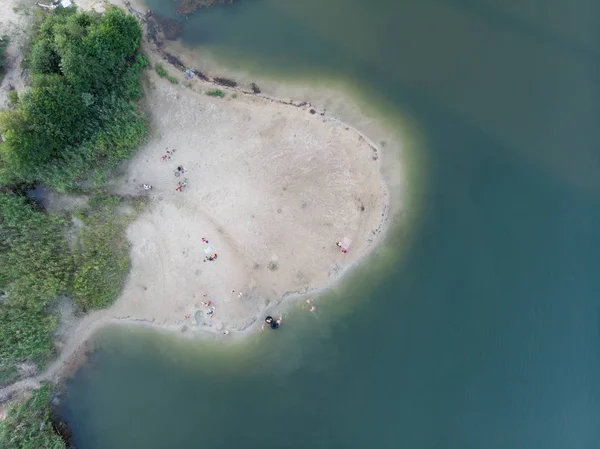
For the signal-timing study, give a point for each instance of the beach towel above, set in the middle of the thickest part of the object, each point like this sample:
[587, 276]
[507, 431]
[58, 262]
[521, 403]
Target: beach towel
[208, 250]
[346, 243]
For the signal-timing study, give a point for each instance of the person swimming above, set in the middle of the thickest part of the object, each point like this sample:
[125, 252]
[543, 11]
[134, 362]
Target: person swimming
[274, 324]
[269, 319]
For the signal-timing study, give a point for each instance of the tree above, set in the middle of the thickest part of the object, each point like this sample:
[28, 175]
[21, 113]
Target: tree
[79, 114]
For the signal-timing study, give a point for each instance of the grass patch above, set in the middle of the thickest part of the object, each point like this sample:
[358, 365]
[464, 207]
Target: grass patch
[27, 424]
[215, 93]
[164, 74]
[233, 95]
[101, 254]
[160, 70]
[35, 267]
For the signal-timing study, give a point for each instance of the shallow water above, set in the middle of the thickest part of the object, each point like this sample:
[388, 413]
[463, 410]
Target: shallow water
[483, 332]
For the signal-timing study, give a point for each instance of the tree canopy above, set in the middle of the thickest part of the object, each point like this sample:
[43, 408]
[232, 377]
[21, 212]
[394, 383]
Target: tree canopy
[79, 113]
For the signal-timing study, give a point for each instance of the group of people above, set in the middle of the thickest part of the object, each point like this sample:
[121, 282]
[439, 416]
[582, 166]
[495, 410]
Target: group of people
[271, 322]
[180, 170]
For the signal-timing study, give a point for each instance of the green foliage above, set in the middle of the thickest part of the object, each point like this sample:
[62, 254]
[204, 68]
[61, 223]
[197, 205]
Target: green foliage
[79, 114]
[27, 424]
[13, 97]
[3, 46]
[102, 253]
[215, 93]
[233, 95]
[160, 70]
[25, 335]
[34, 260]
[164, 74]
[35, 266]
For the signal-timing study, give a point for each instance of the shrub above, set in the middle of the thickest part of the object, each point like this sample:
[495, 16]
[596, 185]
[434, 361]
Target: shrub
[25, 335]
[79, 114]
[164, 74]
[215, 93]
[34, 261]
[27, 424]
[3, 46]
[101, 255]
[160, 70]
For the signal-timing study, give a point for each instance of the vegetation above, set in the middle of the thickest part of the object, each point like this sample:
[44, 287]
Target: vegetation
[215, 93]
[233, 95]
[101, 255]
[3, 46]
[35, 266]
[79, 114]
[164, 74]
[28, 426]
[78, 119]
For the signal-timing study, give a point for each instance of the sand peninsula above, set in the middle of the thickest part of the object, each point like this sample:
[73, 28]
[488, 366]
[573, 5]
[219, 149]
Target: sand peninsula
[268, 186]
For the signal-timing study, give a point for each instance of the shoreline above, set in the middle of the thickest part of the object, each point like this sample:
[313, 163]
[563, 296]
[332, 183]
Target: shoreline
[91, 323]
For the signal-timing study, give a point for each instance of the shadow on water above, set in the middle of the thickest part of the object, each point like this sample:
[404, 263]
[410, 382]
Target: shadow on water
[39, 195]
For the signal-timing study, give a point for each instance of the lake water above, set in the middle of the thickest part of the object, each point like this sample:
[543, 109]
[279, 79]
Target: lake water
[484, 331]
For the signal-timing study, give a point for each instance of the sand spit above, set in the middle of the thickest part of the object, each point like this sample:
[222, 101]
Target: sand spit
[268, 186]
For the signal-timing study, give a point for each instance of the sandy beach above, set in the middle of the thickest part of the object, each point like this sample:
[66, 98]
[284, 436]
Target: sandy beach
[268, 187]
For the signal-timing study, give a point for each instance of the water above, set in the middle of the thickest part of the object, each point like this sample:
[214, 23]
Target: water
[484, 334]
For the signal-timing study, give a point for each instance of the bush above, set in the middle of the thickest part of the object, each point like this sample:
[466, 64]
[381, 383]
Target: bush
[101, 255]
[3, 46]
[27, 424]
[35, 264]
[164, 74]
[215, 93]
[160, 70]
[26, 335]
[35, 267]
[78, 115]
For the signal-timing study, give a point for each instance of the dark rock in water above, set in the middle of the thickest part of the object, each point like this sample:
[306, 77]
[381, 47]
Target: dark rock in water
[39, 195]
[170, 28]
[200, 75]
[255, 88]
[225, 81]
[186, 7]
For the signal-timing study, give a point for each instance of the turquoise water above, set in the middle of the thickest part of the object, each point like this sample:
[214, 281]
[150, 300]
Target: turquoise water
[485, 332]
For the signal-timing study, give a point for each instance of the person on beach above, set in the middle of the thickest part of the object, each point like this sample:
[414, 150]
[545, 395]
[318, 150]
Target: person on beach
[212, 256]
[164, 158]
[178, 188]
[204, 240]
[147, 186]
